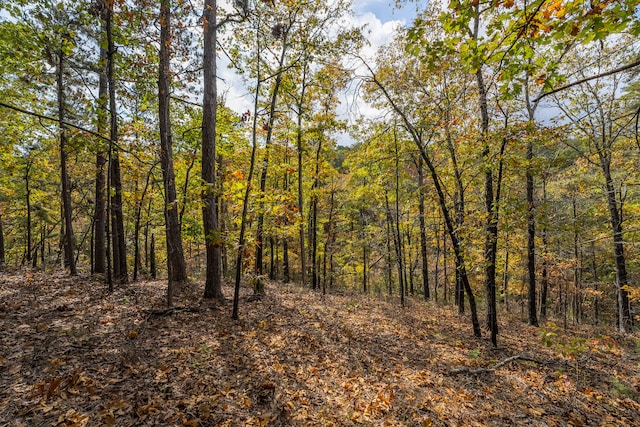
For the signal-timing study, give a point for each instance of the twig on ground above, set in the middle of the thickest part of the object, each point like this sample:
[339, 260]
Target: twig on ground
[498, 365]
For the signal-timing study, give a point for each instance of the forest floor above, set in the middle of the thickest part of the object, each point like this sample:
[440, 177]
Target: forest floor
[73, 354]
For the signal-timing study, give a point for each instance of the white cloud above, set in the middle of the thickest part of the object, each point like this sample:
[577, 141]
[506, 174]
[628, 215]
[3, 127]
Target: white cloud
[378, 34]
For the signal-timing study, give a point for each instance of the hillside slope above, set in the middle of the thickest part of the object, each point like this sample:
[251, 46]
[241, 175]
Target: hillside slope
[73, 354]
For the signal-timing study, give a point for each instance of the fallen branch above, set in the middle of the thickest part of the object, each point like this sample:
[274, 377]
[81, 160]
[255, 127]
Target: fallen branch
[498, 365]
[169, 311]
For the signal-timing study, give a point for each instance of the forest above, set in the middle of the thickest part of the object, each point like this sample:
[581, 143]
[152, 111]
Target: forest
[439, 230]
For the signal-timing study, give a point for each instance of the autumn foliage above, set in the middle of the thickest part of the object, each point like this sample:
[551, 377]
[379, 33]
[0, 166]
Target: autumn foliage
[74, 355]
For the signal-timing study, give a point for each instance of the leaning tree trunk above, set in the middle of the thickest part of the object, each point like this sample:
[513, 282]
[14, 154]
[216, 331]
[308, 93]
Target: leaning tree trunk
[625, 321]
[175, 256]
[213, 238]
[457, 247]
[66, 184]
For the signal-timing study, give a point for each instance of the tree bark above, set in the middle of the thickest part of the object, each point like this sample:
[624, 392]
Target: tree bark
[117, 218]
[27, 184]
[152, 257]
[213, 237]
[314, 218]
[175, 256]
[247, 192]
[99, 234]
[491, 225]
[423, 231]
[596, 279]
[397, 221]
[66, 183]
[3, 260]
[137, 258]
[531, 236]
[625, 321]
[545, 278]
[265, 162]
[303, 256]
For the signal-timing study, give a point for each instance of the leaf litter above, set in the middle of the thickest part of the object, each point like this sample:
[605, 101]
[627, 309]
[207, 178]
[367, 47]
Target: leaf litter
[74, 355]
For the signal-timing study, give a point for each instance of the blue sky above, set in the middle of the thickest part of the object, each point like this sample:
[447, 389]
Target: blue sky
[385, 10]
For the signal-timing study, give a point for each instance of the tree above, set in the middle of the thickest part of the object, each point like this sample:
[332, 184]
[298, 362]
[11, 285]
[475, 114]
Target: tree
[212, 237]
[176, 266]
[600, 118]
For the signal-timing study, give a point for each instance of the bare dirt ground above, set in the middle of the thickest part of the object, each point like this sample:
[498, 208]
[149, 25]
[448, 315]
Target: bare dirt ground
[72, 354]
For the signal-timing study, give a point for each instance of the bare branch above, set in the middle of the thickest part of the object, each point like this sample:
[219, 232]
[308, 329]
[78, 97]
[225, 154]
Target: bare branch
[586, 79]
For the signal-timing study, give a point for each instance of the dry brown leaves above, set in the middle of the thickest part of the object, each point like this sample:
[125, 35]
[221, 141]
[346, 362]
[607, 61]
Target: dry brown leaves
[74, 355]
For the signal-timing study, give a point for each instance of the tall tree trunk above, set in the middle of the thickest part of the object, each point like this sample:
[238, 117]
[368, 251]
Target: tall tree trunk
[395, 232]
[117, 218]
[389, 263]
[213, 237]
[99, 234]
[596, 279]
[265, 163]
[491, 225]
[247, 192]
[544, 284]
[27, 184]
[99, 237]
[576, 265]
[329, 242]
[136, 234]
[531, 208]
[137, 258]
[314, 217]
[459, 210]
[286, 275]
[152, 257]
[185, 187]
[436, 272]
[365, 271]
[505, 276]
[531, 236]
[399, 248]
[66, 184]
[423, 231]
[175, 256]
[303, 256]
[3, 260]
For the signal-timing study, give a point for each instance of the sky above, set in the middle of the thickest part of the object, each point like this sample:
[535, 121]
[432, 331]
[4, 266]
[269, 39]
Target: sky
[384, 10]
[381, 18]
